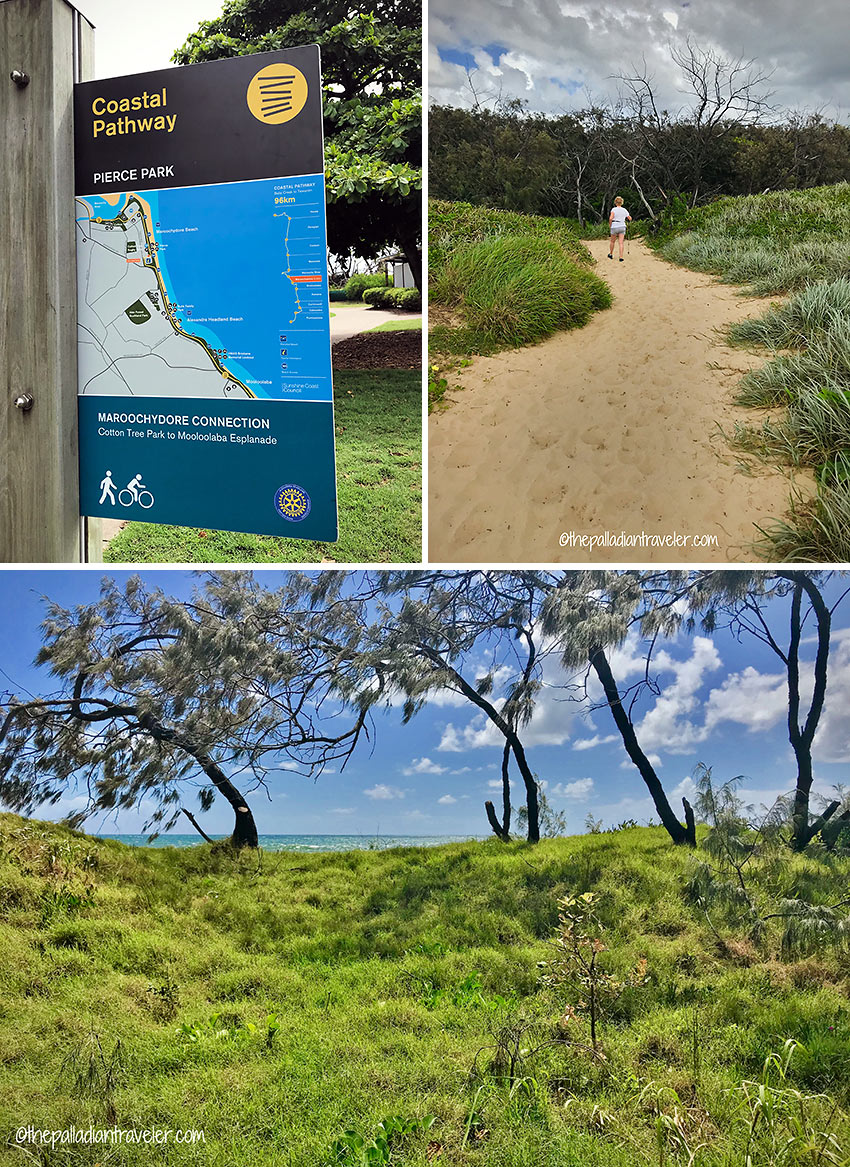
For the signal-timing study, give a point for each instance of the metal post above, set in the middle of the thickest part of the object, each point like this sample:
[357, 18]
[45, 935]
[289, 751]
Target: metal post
[45, 45]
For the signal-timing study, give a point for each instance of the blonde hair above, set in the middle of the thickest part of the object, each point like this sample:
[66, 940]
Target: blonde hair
[618, 202]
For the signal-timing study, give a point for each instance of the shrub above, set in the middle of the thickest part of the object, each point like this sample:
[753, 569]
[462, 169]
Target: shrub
[517, 289]
[407, 299]
[336, 295]
[360, 281]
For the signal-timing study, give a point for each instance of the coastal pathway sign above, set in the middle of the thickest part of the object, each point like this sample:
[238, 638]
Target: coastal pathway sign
[205, 394]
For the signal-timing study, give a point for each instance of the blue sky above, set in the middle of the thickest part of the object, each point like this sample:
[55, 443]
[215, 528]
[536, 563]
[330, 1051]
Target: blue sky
[721, 702]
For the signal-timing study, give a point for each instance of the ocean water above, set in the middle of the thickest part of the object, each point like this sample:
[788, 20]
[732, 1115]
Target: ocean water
[306, 842]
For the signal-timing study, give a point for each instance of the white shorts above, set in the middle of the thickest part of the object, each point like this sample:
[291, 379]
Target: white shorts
[618, 228]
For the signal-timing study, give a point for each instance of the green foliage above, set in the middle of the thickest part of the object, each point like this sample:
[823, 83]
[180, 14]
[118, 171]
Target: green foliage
[357, 284]
[799, 242]
[775, 242]
[578, 968]
[405, 299]
[378, 419]
[509, 157]
[553, 823]
[514, 279]
[747, 881]
[337, 948]
[371, 74]
[787, 1125]
[353, 1150]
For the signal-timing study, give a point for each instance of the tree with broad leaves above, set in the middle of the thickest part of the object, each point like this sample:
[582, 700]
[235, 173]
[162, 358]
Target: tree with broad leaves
[371, 71]
[158, 694]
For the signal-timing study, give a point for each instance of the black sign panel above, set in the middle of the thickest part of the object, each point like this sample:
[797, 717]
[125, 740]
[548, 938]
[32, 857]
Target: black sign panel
[232, 120]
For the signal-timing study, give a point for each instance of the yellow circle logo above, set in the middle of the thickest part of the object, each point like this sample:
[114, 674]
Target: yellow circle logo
[277, 94]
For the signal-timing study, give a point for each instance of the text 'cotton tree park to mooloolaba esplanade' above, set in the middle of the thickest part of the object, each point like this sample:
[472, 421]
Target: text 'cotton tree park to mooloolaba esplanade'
[205, 389]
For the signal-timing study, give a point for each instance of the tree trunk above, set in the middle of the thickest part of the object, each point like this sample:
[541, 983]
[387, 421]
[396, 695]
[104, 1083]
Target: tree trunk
[245, 829]
[508, 733]
[407, 243]
[679, 834]
[196, 825]
[801, 737]
[502, 830]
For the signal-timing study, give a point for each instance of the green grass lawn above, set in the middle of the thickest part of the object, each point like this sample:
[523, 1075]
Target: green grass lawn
[275, 1001]
[379, 466]
[403, 325]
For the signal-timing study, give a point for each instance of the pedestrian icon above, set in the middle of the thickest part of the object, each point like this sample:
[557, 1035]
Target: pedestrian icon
[107, 488]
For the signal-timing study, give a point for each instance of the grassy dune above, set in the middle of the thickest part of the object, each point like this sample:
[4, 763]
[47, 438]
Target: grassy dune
[277, 1001]
[795, 242]
[511, 279]
[776, 242]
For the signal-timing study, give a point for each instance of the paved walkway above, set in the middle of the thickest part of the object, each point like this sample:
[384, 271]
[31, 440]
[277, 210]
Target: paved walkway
[349, 319]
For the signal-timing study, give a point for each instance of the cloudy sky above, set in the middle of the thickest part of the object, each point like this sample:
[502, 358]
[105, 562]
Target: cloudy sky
[721, 703]
[553, 53]
[133, 38]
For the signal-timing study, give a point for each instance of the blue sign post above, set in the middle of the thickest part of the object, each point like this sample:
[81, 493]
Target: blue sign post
[205, 389]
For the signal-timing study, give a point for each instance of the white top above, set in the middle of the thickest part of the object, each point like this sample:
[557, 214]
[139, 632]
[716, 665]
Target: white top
[619, 216]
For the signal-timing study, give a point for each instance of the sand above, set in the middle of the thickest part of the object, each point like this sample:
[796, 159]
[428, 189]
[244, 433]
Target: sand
[614, 427]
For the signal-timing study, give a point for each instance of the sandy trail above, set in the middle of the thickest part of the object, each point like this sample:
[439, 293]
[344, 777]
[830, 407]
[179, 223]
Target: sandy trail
[614, 427]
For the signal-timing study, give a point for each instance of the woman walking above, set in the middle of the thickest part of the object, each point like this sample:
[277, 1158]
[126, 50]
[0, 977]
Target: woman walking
[617, 225]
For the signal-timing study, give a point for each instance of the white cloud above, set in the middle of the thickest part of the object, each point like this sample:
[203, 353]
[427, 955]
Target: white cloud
[668, 725]
[755, 700]
[589, 743]
[687, 788]
[446, 800]
[832, 740]
[381, 792]
[343, 810]
[556, 52]
[423, 766]
[580, 789]
[653, 759]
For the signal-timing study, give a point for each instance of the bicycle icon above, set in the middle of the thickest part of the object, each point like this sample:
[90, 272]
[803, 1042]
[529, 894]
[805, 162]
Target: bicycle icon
[135, 492]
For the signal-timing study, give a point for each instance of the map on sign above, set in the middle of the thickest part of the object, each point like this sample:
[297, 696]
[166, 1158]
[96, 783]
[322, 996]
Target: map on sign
[213, 292]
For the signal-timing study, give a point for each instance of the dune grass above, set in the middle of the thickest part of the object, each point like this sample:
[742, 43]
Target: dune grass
[775, 242]
[512, 279]
[795, 242]
[277, 1001]
[808, 375]
[378, 417]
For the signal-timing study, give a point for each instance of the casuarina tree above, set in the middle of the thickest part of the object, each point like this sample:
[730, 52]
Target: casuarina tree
[158, 696]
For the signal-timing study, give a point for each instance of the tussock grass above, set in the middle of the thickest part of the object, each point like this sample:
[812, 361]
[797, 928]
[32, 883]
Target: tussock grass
[514, 279]
[398, 980]
[776, 242]
[809, 375]
[796, 242]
